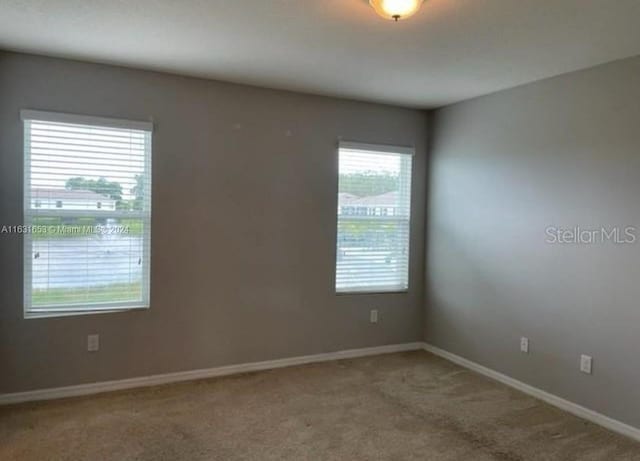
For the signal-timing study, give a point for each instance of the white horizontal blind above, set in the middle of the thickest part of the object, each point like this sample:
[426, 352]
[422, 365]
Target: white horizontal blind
[87, 213]
[374, 208]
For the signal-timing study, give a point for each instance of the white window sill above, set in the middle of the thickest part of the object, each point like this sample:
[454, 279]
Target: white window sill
[44, 313]
[398, 291]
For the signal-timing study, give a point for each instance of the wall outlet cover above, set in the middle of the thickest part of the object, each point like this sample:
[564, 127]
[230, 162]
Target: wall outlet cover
[524, 345]
[586, 363]
[373, 316]
[93, 343]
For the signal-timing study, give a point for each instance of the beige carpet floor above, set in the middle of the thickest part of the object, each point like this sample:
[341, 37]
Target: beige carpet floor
[408, 406]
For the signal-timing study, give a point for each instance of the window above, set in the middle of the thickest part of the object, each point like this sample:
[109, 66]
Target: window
[79, 257]
[374, 207]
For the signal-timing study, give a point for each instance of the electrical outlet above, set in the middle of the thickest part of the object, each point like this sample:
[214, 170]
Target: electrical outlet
[93, 343]
[586, 363]
[524, 345]
[373, 316]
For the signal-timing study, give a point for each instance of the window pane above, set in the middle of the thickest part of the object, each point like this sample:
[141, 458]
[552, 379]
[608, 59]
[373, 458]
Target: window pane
[87, 203]
[373, 221]
[86, 260]
[75, 167]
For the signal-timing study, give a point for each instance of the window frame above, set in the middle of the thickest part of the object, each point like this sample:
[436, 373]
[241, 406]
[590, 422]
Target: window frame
[30, 312]
[383, 149]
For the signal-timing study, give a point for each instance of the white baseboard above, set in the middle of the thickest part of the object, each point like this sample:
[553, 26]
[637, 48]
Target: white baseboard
[566, 405]
[154, 380]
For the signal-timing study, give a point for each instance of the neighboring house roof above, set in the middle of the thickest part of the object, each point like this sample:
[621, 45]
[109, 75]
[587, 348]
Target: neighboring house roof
[67, 194]
[344, 197]
[388, 199]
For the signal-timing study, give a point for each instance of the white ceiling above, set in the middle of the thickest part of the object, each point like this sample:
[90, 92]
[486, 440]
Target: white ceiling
[452, 50]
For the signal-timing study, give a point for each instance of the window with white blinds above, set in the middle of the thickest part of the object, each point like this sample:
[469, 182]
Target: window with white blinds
[374, 210]
[87, 213]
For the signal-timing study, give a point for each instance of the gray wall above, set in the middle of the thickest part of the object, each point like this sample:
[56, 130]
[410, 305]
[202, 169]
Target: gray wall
[243, 227]
[563, 152]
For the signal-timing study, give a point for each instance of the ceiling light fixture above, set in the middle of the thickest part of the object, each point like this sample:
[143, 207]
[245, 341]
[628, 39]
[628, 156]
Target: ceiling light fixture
[396, 9]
